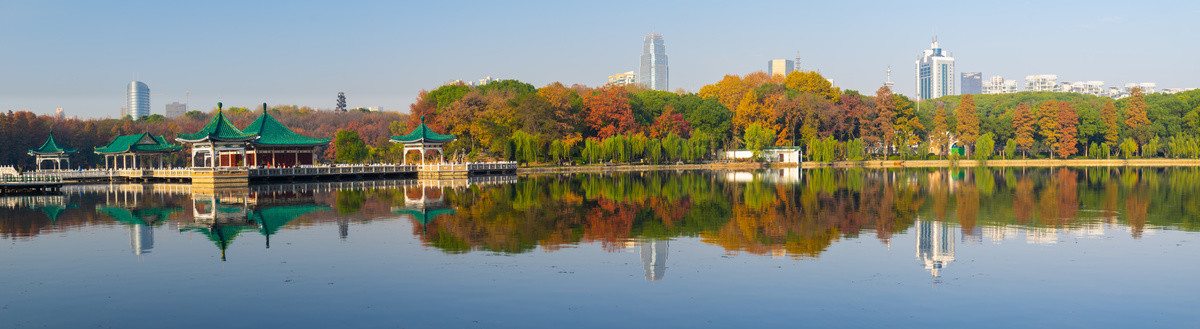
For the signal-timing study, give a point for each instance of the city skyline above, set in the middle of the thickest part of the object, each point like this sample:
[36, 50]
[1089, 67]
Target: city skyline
[227, 52]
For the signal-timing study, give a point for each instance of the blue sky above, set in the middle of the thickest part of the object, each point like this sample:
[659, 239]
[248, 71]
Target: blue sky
[81, 55]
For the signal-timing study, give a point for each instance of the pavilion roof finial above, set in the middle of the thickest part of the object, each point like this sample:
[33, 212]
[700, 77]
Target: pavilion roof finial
[422, 119]
[218, 107]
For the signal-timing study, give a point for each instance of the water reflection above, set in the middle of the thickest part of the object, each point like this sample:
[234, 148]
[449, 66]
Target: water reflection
[781, 213]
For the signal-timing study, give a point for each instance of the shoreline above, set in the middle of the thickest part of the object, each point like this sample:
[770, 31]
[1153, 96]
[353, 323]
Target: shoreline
[869, 164]
[1006, 163]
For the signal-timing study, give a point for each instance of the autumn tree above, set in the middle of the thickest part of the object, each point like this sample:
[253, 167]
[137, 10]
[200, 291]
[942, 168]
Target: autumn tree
[609, 112]
[1068, 125]
[1135, 117]
[668, 123]
[885, 109]
[1048, 124]
[1023, 124]
[811, 82]
[967, 122]
[1112, 123]
[940, 135]
[908, 126]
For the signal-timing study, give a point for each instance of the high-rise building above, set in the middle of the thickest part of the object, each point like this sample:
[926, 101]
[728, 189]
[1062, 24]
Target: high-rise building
[935, 72]
[780, 67]
[653, 72]
[621, 79]
[998, 85]
[1042, 82]
[175, 109]
[137, 100]
[935, 245]
[59, 113]
[972, 83]
[654, 259]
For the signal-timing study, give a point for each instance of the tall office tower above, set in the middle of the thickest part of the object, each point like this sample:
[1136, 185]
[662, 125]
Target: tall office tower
[653, 72]
[137, 100]
[59, 113]
[780, 67]
[1042, 82]
[175, 109]
[972, 83]
[935, 72]
[935, 245]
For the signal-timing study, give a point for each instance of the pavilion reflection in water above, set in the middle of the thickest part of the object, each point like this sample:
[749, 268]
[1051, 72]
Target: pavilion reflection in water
[222, 216]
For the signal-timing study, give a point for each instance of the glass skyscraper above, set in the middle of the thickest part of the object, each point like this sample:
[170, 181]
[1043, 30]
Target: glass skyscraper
[935, 73]
[137, 99]
[653, 73]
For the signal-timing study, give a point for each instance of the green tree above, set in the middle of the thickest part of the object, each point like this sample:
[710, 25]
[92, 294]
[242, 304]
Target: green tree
[349, 147]
[1128, 148]
[984, 147]
[758, 137]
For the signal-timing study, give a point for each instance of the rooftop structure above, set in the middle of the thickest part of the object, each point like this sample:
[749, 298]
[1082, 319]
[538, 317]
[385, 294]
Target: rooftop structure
[218, 138]
[998, 85]
[129, 151]
[423, 139]
[277, 145]
[51, 151]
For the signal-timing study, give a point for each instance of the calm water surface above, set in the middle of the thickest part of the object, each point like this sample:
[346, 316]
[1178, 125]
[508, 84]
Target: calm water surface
[822, 248]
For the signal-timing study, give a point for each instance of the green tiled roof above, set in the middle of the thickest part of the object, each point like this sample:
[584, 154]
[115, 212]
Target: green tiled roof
[148, 217]
[217, 129]
[272, 133]
[271, 219]
[143, 143]
[220, 234]
[423, 134]
[51, 147]
[424, 217]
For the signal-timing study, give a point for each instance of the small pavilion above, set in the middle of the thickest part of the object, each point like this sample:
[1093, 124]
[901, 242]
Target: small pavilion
[219, 143]
[279, 146]
[52, 151]
[131, 151]
[423, 139]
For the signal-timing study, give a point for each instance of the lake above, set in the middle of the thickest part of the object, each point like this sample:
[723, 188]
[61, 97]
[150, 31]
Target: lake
[1002, 247]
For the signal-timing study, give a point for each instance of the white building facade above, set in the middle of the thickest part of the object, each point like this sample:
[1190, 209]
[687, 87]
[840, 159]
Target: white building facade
[935, 73]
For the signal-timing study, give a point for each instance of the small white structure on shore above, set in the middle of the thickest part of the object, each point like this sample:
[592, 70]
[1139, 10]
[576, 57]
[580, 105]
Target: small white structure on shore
[775, 154]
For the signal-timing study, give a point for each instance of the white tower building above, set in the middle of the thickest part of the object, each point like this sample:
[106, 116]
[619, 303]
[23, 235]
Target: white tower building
[935, 72]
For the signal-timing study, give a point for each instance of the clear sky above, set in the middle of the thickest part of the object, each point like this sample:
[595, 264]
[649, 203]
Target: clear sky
[81, 55]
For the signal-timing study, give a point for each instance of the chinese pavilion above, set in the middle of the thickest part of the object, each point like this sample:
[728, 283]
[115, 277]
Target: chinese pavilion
[279, 146]
[423, 139]
[130, 151]
[52, 151]
[219, 143]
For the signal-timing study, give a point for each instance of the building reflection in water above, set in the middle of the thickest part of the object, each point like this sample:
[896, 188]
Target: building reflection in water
[654, 258]
[935, 245]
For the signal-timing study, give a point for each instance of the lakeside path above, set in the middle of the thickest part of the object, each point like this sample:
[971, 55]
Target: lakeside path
[873, 164]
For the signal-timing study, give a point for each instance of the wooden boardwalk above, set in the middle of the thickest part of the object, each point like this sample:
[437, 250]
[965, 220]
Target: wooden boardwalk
[243, 176]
